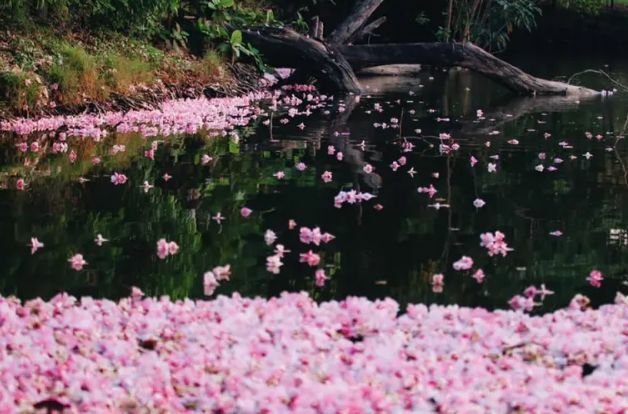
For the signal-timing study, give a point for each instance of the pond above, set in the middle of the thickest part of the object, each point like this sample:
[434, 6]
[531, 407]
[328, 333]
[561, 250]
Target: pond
[558, 193]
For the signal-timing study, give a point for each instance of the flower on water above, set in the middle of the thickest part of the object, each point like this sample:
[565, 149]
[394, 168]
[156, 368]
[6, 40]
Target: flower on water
[368, 168]
[165, 248]
[292, 224]
[331, 150]
[437, 281]
[150, 154]
[320, 277]
[339, 156]
[394, 166]
[77, 262]
[479, 203]
[473, 161]
[539, 168]
[465, 263]
[209, 283]
[166, 177]
[146, 186]
[495, 243]
[35, 245]
[99, 240]
[595, 278]
[218, 218]
[311, 258]
[270, 237]
[118, 179]
[273, 264]
[245, 212]
[205, 159]
[222, 272]
[556, 233]
[20, 184]
[479, 275]
[492, 167]
[301, 166]
[431, 191]
[280, 175]
[280, 250]
[327, 177]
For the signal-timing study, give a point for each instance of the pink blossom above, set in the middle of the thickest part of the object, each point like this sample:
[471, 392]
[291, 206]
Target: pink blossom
[35, 245]
[479, 275]
[118, 179]
[326, 176]
[431, 191]
[495, 243]
[301, 166]
[273, 264]
[77, 262]
[209, 283]
[280, 175]
[465, 263]
[339, 156]
[320, 277]
[311, 258]
[20, 184]
[245, 212]
[595, 278]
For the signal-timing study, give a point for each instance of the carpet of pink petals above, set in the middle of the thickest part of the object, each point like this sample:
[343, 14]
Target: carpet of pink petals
[290, 354]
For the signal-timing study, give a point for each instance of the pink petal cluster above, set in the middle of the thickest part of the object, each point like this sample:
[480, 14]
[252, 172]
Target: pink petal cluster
[495, 243]
[291, 355]
[314, 236]
[351, 197]
[166, 248]
[465, 263]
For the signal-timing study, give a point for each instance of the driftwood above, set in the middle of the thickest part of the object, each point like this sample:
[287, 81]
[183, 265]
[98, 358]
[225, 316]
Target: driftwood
[333, 61]
[285, 47]
[465, 55]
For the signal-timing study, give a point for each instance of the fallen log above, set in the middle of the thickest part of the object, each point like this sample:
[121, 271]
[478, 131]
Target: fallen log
[283, 47]
[465, 55]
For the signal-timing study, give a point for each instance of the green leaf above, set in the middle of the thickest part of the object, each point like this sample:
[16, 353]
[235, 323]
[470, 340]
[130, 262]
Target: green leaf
[236, 37]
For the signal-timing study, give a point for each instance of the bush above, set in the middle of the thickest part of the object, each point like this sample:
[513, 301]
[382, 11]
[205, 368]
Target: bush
[75, 73]
[21, 91]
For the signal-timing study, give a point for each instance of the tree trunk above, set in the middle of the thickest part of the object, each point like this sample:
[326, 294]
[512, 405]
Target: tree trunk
[361, 12]
[287, 48]
[466, 55]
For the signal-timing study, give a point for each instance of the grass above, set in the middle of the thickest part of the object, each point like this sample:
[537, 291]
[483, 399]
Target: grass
[43, 68]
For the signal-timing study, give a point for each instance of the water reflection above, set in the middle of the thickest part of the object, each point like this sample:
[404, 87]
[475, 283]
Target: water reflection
[389, 252]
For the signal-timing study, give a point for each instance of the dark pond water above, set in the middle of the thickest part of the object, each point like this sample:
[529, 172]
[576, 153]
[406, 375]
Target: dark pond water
[378, 252]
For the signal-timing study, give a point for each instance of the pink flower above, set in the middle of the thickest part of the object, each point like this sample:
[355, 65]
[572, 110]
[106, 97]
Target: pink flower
[173, 248]
[311, 258]
[431, 191]
[473, 161]
[320, 277]
[301, 166]
[96, 160]
[326, 176]
[368, 168]
[280, 175]
[35, 245]
[77, 262]
[35, 146]
[402, 160]
[339, 156]
[209, 283]
[99, 240]
[273, 264]
[331, 150]
[72, 156]
[162, 248]
[270, 237]
[492, 167]
[437, 281]
[166, 177]
[222, 272]
[118, 179]
[595, 278]
[495, 243]
[20, 184]
[280, 250]
[245, 212]
[22, 146]
[479, 275]
[206, 159]
[394, 166]
[478, 203]
[465, 263]
[150, 154]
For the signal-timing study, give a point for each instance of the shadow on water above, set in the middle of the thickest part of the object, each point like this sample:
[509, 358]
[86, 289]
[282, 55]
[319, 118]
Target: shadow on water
[392, 251]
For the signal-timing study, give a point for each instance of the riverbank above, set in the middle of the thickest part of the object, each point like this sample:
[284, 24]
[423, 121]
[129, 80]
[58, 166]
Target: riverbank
[45, 73]
[289, 354]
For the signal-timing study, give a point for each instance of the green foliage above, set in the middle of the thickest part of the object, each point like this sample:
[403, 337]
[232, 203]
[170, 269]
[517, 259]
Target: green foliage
[488, 23]
[20, 91]
[592, 7]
